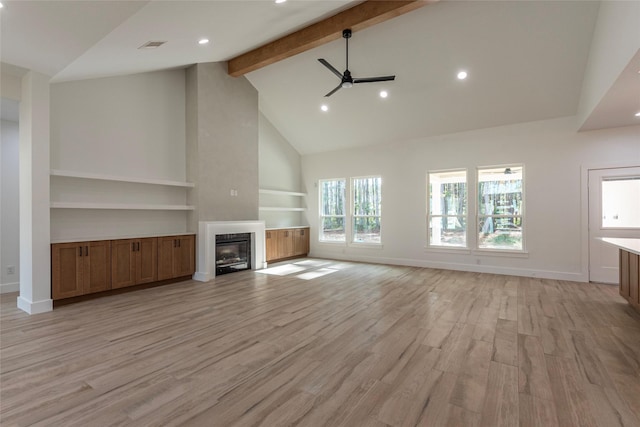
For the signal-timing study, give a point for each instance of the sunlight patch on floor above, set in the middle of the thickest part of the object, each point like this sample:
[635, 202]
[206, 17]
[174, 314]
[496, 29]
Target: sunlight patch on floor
[282, 270]
[315, 274]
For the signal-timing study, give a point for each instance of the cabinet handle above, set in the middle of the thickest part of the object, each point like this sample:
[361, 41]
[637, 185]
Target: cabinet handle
[86, 251]
[138, 246]
[80, 247]
[179, 243]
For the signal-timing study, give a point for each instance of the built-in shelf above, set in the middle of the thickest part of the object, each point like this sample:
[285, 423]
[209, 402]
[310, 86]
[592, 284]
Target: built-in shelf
[268, 208]
[121, 206]
[281, 193]
[135, 180]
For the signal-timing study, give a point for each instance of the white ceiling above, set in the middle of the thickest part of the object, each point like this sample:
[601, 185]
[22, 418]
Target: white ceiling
[525, 60]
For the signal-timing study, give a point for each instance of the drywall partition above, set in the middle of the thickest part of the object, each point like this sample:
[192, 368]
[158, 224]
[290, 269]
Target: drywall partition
[35, 261]
[552, 154]
[616, 39]
[128, 127]
[279, 170]
[222, 144]
[9, 209]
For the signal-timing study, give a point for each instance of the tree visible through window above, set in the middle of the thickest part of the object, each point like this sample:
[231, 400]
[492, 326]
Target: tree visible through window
[367, 205]
[332, 210]
[447, 214]
[500, 208]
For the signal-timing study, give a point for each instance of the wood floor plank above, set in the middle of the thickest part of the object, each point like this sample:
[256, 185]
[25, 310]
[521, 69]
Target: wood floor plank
[367, 345]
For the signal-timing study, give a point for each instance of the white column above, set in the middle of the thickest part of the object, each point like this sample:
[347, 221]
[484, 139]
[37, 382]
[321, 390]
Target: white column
[35, 236]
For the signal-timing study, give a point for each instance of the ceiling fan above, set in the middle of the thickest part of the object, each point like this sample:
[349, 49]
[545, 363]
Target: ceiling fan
[346, 79]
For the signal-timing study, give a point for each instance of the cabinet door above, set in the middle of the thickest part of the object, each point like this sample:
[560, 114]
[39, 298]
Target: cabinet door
[66, 270]
[166, 246]
[301, 241]
[96, 267]
[146, 253]
[271, 245]
[184, 259]
[123, 267]
[285, 243]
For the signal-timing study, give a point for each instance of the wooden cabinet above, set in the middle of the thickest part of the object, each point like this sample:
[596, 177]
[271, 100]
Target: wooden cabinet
[286, 243]
[630, 277]
[176, 256]
[80, 268]
[133, 262]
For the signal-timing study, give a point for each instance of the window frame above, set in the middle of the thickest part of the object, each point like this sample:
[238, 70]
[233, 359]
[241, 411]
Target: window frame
[478, 216]
[466, 216]
[321, 215]
[353, 216]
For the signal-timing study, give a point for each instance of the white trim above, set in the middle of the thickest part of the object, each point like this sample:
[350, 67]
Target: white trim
[102, 177]
[6, 288]
[541, 274]
[36, 307]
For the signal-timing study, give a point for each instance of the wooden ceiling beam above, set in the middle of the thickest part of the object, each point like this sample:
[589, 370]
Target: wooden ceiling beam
[359, 17]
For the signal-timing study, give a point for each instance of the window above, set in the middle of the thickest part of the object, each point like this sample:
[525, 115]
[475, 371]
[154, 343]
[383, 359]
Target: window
[447, 212]
[332, 210]
[621, 202]
[367, 204]
[500, 208]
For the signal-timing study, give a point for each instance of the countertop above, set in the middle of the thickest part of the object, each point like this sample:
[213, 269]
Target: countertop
[628, 244]
[286, 228]
[120, 237]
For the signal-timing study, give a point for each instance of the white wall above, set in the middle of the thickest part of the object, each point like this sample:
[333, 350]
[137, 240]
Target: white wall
[279, 168]
[130, 126]
[552, 153]
[9, 208]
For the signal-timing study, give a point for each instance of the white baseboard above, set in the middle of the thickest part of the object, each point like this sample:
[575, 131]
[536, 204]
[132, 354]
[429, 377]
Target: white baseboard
[202, 277]
[36, 307]
[6, 288]
[474, 268]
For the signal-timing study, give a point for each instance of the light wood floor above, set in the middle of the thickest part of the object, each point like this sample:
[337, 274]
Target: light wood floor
[336, 344]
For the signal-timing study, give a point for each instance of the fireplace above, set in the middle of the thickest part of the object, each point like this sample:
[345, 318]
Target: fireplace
[207, 232]
[233, 252]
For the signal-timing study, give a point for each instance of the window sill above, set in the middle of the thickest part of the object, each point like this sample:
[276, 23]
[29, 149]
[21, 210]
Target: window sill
[365, 245]
[331, 243]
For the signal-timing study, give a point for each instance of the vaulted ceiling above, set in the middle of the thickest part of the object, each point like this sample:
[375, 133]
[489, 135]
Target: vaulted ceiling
[525, 59]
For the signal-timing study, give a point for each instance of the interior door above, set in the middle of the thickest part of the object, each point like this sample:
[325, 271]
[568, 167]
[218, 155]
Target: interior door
[614, 211]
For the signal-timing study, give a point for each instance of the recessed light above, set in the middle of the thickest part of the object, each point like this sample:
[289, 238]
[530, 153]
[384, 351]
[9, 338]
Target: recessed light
[324, 107]
[462, 75]
[383, 94]
[203, 41]
[280, 1]
[638, 114]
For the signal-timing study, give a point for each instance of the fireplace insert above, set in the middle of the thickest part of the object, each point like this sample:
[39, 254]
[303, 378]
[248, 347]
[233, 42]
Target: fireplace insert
[233, 253]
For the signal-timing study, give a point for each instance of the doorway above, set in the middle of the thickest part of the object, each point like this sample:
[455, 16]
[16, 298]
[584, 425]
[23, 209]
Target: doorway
[614, 211]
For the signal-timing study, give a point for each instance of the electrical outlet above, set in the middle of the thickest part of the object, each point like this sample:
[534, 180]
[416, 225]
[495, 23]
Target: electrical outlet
[233, 193]
[11, 269]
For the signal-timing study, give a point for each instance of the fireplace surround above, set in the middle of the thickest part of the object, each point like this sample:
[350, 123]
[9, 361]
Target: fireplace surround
[207, 232]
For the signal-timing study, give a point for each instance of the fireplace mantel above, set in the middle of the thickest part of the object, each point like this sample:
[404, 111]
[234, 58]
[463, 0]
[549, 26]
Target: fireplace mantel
[207, 231]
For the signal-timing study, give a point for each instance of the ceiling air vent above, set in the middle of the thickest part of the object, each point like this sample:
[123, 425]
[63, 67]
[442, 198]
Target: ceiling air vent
[151, 45]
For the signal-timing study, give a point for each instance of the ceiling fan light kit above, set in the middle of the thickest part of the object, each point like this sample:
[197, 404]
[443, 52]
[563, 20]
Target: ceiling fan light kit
[346, 80]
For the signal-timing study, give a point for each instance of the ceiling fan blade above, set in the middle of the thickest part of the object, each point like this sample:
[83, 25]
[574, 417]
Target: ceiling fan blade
[334, 91]
[331, 68]
[374, 79]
